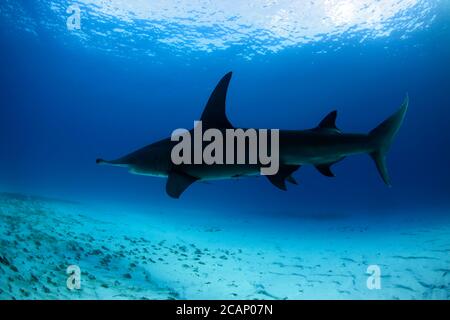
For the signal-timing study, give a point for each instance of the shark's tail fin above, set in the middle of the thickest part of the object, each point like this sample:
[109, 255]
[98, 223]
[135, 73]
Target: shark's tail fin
[382, 137]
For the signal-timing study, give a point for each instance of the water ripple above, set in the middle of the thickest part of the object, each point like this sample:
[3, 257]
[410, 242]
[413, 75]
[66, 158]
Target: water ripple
[254, 27]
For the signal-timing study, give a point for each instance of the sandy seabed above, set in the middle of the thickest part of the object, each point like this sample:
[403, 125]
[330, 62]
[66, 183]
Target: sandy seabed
[157, 255]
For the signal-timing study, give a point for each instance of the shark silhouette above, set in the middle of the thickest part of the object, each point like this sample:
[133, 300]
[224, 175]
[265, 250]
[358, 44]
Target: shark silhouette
[321, 147]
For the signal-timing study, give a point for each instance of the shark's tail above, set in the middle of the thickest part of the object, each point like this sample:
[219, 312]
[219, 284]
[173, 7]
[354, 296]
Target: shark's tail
[382, 136]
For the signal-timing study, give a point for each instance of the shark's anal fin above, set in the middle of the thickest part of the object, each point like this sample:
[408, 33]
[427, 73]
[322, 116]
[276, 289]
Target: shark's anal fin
[214, 114]
[177, 182]
[284, 173]
[325, 170]
[291, 179]
[329, 122]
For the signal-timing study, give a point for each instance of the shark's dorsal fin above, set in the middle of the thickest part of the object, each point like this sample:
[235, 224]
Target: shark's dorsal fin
[177, 182]
[284, 173]
[329, 122]
[214, 115]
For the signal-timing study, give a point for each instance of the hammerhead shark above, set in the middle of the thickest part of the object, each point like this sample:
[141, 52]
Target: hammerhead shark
[321, 147]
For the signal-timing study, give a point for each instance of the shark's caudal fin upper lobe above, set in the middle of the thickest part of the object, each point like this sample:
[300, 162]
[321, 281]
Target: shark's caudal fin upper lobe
[382, 137]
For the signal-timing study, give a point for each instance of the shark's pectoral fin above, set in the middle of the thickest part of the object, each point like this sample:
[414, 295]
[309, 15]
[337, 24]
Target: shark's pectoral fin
[284, 173]
[177, 182]
[214, 114]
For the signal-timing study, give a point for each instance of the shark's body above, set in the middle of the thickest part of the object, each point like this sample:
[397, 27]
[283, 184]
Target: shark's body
[321, 146]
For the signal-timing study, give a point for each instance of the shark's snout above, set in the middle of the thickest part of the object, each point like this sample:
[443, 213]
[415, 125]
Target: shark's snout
[118, 162]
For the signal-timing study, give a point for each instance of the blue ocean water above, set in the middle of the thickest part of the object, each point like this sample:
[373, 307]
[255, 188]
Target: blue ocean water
[136, 70]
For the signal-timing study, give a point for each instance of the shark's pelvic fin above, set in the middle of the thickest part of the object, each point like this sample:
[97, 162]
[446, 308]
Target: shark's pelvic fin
[329, 122]
[214, 114]
[382, 137]
[177, 182]
[284, 173]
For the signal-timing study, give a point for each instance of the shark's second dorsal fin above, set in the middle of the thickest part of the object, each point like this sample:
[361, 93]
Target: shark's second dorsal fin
[329, 122]
[214, 115]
